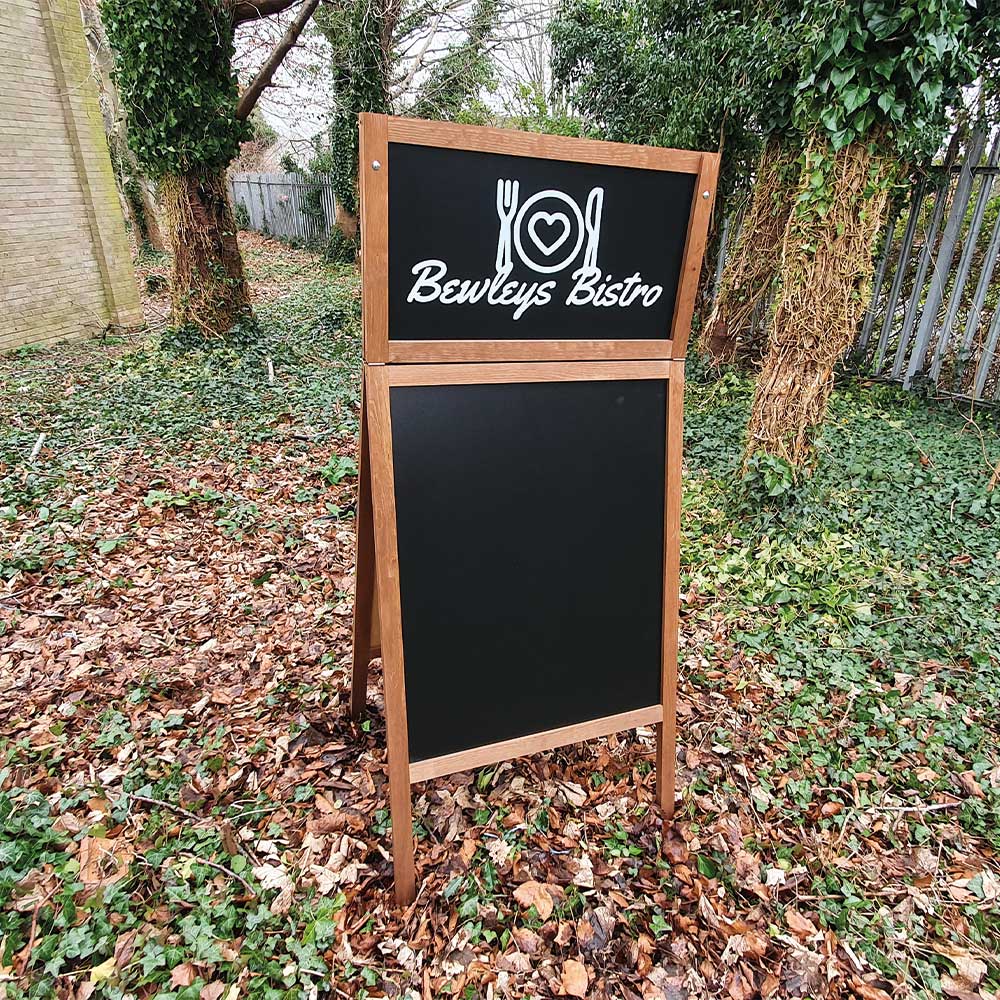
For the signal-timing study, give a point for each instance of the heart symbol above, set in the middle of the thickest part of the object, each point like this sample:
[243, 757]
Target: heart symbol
[550, 219]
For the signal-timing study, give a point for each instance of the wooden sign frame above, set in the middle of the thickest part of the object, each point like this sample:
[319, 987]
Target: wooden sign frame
[378, 131]
[377, 592]
[391, 363]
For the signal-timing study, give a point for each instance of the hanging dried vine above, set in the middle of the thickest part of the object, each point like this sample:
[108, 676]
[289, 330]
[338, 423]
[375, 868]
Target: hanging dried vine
[209, 291]
[872, 92]
[737, 329]
[824, 287]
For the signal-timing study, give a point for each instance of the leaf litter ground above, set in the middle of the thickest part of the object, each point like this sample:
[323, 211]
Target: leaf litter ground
[186, 811]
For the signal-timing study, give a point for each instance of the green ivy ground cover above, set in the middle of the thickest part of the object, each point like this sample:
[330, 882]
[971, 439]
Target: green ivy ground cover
[838, 731]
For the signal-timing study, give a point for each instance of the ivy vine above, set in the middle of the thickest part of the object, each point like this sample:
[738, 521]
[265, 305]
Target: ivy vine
[175, 75]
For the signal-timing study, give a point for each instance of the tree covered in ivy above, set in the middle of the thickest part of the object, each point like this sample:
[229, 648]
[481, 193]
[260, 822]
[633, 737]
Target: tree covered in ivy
[386, 60]
[826, 106]
[174, 68]
[871, 98]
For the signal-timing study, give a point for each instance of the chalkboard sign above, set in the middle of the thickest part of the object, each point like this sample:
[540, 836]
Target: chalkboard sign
[526, 306]
[490, 247]
[530, 542]
[484, 245]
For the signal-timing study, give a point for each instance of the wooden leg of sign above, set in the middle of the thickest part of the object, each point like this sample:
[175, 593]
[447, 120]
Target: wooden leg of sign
[387, 569]
[666, 733]
[364, 578]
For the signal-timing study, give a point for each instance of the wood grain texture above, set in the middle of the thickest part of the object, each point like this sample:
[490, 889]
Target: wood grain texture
[552, 371]
[387, 562]
[409, 351]
[666, 749]
[373, 186]
[694, 252]
[365, 636]
[376, 629]
[435, 767]
[547, 147]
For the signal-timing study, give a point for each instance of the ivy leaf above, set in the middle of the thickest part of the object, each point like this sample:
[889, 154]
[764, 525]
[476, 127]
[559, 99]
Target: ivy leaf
[841, 76]
[854, 97]
[838, 39]
[883, 25]
[931, 90]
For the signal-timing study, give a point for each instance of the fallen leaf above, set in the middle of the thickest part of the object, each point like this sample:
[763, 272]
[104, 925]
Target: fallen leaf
[868, 992]
[967, 779]
[103, 861]
[953, 987]
[535, 894]
[516, 962]
[799, 925]
[183, 975]
[526, 940]
[99, 973]
[969, 970]
[574, 980]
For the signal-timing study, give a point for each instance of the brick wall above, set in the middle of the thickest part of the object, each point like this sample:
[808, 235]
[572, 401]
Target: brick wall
[65, 269]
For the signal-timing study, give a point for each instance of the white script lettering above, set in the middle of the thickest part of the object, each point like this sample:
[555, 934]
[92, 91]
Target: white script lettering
[590, 287]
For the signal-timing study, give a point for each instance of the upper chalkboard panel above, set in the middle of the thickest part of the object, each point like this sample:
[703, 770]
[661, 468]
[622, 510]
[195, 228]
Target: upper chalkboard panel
[491, 245]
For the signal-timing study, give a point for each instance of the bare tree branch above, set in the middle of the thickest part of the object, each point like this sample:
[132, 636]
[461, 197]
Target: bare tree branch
[262, 80]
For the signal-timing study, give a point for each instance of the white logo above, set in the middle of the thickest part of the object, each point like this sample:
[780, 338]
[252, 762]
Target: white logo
[541, 227]
[546, 233]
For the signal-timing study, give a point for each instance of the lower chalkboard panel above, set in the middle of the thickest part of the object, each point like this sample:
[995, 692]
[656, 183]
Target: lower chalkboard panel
[530, 541]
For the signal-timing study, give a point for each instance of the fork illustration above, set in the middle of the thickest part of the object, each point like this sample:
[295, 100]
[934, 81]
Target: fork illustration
[507, 193]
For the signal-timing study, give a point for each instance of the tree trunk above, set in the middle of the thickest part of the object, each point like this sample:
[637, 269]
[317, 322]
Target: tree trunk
[347, 222]
[827, 263]
[154, 232]
[209, 289]
[736, 331]
[136, 193]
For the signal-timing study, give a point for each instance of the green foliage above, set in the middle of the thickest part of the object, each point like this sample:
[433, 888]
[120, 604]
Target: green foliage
[769, 476]
[883, 69]
[242, 217]
[842, 637]
[367, 42]
[688, 74]
[534, 113]
[341, 249]
[175, 77]
[202, 401]
[450, 91]
[361, 75]
[156, 283]
[78, 930]
[338, 469]
[261, 129]
[867, 594]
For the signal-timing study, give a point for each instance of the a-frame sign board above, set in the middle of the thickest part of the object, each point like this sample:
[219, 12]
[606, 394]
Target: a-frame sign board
[527, 302]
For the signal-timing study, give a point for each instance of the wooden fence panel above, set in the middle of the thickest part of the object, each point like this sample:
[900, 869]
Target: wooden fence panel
[289, 206]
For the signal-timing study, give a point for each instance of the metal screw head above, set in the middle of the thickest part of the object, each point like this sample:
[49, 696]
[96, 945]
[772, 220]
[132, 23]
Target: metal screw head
[704, 194]
[376, 165]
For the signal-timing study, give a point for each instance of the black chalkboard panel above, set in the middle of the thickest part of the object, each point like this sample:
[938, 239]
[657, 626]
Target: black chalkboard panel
[530, 541]
[573, 251]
